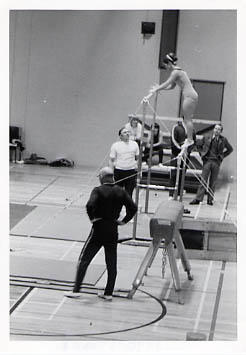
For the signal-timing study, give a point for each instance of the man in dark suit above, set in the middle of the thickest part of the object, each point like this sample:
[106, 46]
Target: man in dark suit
[214, 149]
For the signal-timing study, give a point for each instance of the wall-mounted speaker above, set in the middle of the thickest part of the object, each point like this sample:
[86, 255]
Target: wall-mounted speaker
[148, 28]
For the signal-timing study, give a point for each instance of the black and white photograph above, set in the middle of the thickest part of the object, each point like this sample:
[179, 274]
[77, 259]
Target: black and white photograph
[122, 178]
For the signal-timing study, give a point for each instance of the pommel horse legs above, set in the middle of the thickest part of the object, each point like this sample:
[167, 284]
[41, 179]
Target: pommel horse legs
[165, 224]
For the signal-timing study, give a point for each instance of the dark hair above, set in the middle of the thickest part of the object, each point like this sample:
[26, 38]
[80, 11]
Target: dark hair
[219, 124]
[156, 137]
[134, 118]
[170, 58]
[121, 130]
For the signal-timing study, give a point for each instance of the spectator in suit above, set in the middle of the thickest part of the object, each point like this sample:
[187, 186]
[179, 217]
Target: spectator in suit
[214, 149]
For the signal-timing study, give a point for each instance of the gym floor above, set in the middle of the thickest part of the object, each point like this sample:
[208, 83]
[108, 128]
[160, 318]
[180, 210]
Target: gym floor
[48, 226]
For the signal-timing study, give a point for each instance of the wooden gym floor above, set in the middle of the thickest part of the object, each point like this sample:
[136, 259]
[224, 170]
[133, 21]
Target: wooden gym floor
[51, 226]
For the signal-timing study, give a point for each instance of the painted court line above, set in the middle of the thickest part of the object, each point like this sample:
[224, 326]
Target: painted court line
[222, 217]
[217, 302]
[168, 292]
[197, 211]
[205, 286]
[22, 316]
[57, 213]
[68, 251]
[60, 304]
[24, 298]
[46, 187]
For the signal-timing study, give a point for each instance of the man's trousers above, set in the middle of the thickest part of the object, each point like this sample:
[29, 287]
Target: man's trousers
[90, 249]
[210, 171]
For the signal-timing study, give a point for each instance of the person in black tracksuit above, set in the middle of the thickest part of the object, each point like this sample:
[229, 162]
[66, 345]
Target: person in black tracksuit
[103, 208]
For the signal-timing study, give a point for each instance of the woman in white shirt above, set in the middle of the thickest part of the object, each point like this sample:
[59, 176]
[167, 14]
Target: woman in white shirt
[135, 129]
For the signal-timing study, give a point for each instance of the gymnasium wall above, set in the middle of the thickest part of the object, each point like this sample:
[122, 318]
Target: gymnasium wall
[215, 57]
[75, 75]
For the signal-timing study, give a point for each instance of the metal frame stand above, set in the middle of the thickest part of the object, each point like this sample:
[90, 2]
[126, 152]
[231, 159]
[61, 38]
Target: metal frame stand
[151, 253]
[150, 154]
[139, 171]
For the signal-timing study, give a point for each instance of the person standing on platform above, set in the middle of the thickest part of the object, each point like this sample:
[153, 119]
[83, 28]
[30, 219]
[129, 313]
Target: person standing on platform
[178, 136]
[189, 96]
[123, 158]
[214, 149]
[135, 129]
[103, 208]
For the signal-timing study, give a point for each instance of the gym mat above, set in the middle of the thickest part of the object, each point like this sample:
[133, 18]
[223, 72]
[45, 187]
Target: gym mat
[17, 212]
[24, 187]
[69, 224]
[60, 223]
[62, 192]
[34, 220]
[49, 269]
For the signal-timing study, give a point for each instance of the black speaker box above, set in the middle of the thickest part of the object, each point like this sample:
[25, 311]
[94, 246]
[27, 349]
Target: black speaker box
[148, 28]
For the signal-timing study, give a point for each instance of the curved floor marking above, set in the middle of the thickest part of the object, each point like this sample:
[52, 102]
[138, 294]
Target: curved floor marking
[162, 314]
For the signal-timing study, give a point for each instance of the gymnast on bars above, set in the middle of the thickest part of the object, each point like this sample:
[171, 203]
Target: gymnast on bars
[190, 97]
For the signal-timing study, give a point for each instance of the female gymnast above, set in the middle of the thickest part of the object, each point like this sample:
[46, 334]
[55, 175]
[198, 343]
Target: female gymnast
[190, 96]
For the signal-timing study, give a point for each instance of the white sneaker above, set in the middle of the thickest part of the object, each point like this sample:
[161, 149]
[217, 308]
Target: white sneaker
[72, 294]
[105, 297]
[161, 165]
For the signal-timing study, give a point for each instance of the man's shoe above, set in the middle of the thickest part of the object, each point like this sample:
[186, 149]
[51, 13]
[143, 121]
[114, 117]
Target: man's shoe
[210, 203]
[105, 297]
[72, 294]
[195, 202]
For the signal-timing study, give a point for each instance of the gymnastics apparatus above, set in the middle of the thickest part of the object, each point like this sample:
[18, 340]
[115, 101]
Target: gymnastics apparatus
[166, 222]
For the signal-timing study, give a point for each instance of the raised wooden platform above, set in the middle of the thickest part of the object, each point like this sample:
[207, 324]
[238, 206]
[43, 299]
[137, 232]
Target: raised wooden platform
[209, 232]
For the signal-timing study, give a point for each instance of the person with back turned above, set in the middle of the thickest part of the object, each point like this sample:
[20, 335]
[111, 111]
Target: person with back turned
[103, 208]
